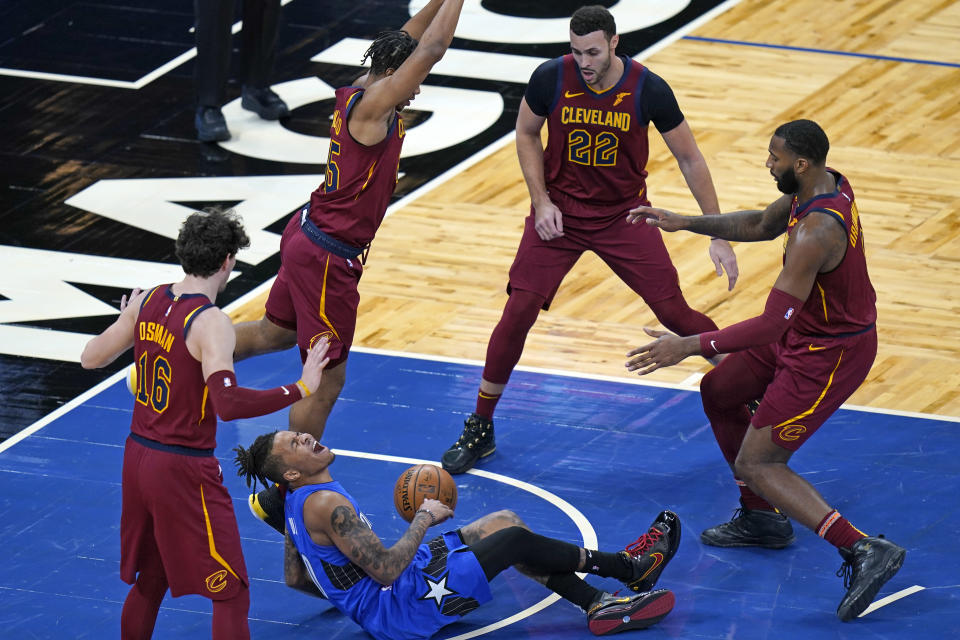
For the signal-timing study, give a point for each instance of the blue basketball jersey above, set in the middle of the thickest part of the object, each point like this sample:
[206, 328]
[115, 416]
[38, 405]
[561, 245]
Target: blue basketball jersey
[442, 583]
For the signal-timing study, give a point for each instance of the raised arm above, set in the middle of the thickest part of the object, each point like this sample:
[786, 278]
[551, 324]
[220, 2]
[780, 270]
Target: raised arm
[694, 168]
[103, 349]
[370, 118]
[417, 24]
[329, 516]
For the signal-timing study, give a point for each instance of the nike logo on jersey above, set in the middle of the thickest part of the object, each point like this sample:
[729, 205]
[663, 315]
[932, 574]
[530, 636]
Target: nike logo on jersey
[813, 348]
[567, 94]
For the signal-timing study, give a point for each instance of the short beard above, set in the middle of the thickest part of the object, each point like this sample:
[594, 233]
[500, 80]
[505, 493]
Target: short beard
[787, 182]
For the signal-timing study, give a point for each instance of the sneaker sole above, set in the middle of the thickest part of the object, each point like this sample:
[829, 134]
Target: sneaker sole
[642, 614]
[861, 602]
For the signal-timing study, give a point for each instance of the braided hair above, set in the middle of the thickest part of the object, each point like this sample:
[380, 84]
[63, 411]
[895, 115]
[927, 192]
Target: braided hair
[805, 138]
[388, 51]
[259, 463]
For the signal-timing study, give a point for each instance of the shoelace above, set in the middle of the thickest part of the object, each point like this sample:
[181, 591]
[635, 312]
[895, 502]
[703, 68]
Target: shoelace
[472, 433]
[846, 572]
[644, 542]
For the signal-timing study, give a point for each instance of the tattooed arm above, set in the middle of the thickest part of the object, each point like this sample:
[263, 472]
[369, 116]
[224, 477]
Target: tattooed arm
[744, 226]
[294, 573]
[331, 519]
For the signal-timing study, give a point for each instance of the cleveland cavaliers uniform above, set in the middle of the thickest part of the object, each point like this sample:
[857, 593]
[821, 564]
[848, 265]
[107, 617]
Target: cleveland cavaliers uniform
[322, 244]
[175, 506]
[828, 350]
[442, 583]
[595, 171]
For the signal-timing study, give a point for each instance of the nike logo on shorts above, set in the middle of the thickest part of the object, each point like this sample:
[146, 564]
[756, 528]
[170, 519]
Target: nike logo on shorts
[813, 348]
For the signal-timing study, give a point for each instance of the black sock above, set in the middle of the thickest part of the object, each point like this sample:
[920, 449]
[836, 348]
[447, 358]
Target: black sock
[607, 565]
[569, 587]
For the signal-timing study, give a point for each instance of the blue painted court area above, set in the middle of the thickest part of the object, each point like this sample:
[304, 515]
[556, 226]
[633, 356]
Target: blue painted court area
[615, 452]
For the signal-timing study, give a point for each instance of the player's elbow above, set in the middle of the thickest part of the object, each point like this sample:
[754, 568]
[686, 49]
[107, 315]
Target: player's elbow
[431, 52]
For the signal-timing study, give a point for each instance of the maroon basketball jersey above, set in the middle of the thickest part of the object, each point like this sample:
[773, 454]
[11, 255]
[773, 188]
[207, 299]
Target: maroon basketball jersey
[596, 153]
[172, 405]
[842, 300]
[351, 203]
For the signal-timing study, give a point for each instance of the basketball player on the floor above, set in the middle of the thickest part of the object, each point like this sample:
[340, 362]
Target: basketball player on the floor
[597, 107]
[177, 526]
[805, 355]
[414, 588]
[324, 246]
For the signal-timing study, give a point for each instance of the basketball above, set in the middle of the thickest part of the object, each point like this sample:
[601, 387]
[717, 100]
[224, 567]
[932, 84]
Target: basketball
[132, 379]
[419, 482]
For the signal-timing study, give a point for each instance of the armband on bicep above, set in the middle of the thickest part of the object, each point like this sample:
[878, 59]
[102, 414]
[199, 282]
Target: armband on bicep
[778, 313]
[231, 401]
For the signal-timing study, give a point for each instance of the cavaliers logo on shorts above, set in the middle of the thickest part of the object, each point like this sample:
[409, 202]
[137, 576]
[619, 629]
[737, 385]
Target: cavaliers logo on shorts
[217, 581]
[330, 337]
[790, 432]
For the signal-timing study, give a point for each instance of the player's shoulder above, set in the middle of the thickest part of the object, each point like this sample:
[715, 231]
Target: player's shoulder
[206, 316]
[549, 69]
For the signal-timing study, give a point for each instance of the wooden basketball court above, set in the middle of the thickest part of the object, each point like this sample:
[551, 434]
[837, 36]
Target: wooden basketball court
[435, 280]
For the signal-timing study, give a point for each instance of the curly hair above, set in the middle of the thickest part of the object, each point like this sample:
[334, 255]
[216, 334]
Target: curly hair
[259, 463]
[805, 138]
[388, 51]
[592, 18]
[207, 238]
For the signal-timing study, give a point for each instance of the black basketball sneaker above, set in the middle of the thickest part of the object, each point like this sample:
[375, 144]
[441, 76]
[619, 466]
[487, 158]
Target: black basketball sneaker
[751, 528]
[475, 442]
[867, 565]
[651, 552]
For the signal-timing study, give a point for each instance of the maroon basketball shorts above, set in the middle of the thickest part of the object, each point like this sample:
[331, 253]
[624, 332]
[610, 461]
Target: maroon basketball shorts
[635, 253]
[810, 379]
[315, 294]
[176, 508]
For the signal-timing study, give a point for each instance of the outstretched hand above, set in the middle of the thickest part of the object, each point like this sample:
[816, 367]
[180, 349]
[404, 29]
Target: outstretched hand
[314, 364]
[668, 349]
[661, 218]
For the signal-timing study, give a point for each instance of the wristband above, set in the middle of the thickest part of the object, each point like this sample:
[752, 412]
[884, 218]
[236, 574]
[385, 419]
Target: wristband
[303, 388]
[433, 518]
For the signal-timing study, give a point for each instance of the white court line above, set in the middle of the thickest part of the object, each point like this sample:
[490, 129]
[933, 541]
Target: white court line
[587, 532]
[893, 597]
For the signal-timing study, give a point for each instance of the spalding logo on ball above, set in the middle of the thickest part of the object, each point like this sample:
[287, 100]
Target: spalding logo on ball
[419, 482]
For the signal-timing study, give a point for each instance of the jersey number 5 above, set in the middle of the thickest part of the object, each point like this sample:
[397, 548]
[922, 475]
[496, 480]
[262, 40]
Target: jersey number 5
[599, 151]
[154, 392]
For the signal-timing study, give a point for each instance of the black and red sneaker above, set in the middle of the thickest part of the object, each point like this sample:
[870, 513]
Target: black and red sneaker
[612, 614]
[651, 552]
[267, 505]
